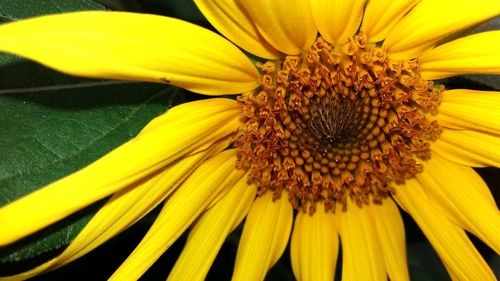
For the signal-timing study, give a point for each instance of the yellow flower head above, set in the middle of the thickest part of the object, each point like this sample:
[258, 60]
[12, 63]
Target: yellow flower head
[336, 126]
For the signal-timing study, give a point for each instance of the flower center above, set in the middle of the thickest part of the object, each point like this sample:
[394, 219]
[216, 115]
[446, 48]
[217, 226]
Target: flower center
[336, 122]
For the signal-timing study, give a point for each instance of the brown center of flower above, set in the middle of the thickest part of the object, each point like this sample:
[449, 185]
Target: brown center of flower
[336, 122]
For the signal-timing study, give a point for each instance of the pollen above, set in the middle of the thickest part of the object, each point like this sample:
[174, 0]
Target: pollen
[337, 122]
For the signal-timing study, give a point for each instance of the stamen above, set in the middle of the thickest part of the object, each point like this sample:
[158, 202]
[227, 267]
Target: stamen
[336, 122]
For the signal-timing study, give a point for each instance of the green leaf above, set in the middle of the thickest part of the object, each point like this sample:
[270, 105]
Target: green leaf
[12, 10]
[53, 125]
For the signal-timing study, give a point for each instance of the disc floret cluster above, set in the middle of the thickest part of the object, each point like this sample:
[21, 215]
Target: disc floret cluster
[337, 122]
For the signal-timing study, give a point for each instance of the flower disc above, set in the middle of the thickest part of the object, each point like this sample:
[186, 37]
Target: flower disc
[336, 121]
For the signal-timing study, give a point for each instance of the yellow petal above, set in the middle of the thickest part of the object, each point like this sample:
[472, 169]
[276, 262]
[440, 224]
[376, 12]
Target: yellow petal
[391, 236]
[431, 21]
[469, 148]
[478, 53]
[361, 252]
[214, 176]
[264, 238]
[455, 190]
[382, 15]
[337, 19]
[121, 211]
[210, 231]
[131, 46]
[288, 27]
[234, 23]
[458, 254]
[202, 123]
[200, 109]
[467, 109]
[314, 246]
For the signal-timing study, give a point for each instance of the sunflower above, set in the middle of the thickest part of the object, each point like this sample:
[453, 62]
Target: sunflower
[335, 126]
